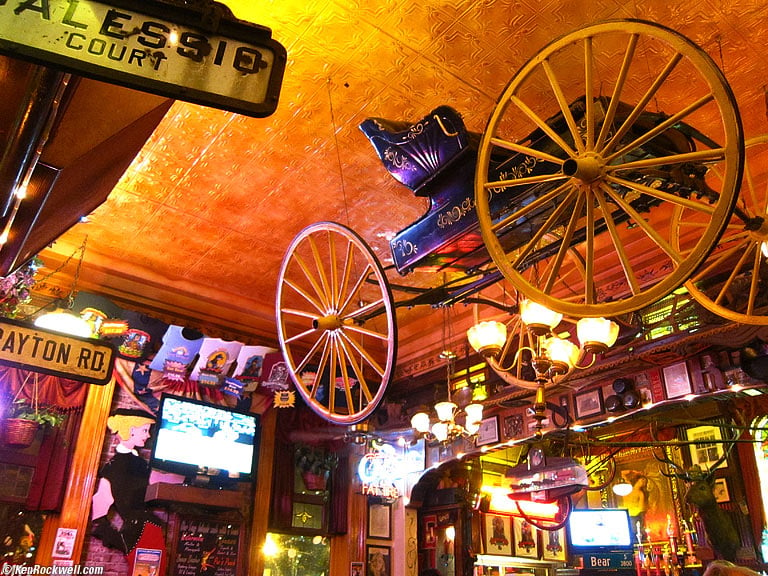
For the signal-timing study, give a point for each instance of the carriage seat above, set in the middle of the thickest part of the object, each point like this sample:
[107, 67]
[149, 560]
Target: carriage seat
[414, 153]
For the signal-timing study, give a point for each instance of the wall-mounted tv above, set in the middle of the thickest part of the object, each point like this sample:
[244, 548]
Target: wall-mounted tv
[599, 529]
[205, 442]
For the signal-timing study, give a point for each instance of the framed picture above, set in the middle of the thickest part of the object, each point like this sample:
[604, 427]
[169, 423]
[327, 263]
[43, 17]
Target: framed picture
[430, 531]
[553, 545]
[526, 538]
[589, 403]
[720, 490]
[489, 431]
[378, 560]
[356, 569]
[498, 534]
[676, 380]
[707, 448]
[380, 521]
[513, 426]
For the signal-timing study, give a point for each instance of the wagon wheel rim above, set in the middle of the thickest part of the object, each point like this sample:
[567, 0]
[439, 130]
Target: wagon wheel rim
[732, 280]
[336, 322]
[583, 185]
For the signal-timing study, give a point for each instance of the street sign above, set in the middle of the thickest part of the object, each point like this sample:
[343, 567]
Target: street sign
[205, 56]
[29, 347]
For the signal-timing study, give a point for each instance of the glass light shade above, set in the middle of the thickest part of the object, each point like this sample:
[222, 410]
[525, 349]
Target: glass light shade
[64, 322]
[563, 353]
[622, 488]
[537, 318]
[445, 411]
[472, 427]
[597, 334]
[487, 338]
[440, 431]
[420, 422]
[474, 414]
[450, 533]
[764, 248]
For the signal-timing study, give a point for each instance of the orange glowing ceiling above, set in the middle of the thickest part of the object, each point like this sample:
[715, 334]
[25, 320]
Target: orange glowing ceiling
[195, 229]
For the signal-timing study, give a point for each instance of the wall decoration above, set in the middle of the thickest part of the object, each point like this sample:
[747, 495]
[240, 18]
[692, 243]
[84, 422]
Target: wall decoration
[379, 561]
[498, 534]
[589, 403]
[553, 545]
[708, 448]
[430, 531]
[676, 380]
[380, 521]
[651, 500]
[526, 538]
[356, 569]
[720, 490]
[489, 431]
[513, 426]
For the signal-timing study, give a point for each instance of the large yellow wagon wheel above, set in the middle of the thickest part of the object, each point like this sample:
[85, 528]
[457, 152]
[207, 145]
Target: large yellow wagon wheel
[336, 322]
[733, 281]
[591, 146]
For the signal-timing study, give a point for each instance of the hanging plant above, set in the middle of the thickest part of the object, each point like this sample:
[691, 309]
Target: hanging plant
[315, 465]
[24, 417]
[16, 288]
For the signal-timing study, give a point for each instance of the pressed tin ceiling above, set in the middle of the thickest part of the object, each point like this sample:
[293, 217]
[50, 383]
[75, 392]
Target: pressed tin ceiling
[196, 228]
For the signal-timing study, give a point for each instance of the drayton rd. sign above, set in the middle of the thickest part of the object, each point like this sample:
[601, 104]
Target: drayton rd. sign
[205, 56]
[83, 359]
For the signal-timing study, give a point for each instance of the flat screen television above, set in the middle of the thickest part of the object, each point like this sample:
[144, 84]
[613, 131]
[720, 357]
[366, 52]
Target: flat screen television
[599, 529]
[207, 443]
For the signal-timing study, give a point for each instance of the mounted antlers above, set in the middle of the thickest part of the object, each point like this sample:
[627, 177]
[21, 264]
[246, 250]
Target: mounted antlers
[721, 531]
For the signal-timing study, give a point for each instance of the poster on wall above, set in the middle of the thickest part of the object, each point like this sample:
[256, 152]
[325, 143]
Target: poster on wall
[148, 562]
[206, 547]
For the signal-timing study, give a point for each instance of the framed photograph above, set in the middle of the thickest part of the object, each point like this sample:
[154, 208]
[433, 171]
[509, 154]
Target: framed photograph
[513, 426]
[356, 569]
[379, 521]
[720, 490]
[553, 545]
[498, 534]
[526, 538]
[589, 403]
[707, 448]
[677, 383]
[489, 431]
[378, 560]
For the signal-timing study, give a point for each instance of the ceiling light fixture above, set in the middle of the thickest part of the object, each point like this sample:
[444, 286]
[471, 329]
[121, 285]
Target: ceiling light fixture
[550, 355]
[62, 319]
[446, 426]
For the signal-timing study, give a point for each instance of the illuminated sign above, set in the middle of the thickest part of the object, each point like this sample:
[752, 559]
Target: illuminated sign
[201, 57]
[52, 353]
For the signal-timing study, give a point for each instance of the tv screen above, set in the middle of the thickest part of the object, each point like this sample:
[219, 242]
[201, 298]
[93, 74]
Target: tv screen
[195, 438]
[599, 528]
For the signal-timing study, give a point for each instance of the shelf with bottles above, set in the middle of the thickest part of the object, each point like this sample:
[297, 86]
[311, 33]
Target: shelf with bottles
[668, 557]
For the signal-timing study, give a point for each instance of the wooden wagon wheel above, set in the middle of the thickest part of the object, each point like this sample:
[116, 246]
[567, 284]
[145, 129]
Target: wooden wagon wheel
[336, 322]
[594, 141]
[732, 281]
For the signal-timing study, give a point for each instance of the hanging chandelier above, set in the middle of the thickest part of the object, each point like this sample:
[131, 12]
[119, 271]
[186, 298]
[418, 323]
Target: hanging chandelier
[549, 355]
[450, 420]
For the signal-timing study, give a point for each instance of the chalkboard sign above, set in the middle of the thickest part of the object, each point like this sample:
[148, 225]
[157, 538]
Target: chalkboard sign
[207, 548]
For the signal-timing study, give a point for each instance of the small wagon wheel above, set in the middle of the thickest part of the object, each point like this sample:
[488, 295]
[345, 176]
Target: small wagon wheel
[336, 322]
[732, 281]
[593, 142]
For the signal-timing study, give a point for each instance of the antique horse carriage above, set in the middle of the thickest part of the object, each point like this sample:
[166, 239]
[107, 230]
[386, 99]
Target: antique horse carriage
[608, 174]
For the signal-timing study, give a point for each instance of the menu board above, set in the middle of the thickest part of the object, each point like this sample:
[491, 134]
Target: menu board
[207, 548]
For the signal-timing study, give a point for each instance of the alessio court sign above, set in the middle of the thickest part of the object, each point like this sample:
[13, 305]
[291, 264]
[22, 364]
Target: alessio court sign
[203, 56]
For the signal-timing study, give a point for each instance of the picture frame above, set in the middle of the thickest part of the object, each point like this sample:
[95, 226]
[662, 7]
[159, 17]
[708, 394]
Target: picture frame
[430, 531]
[356, 569]
[526, 538]
[378, 560]
[498, 534]
[488, 432]
[588, 403]
[677, 381]
[720, 490]
[553, 545]
[706, 449]
[379, 521]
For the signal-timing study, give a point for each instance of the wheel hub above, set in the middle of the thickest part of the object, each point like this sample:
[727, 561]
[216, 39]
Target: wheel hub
[587, 168]
[330, 322]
